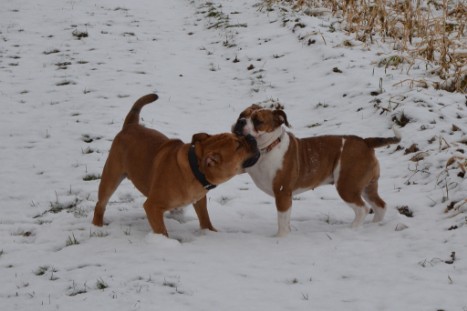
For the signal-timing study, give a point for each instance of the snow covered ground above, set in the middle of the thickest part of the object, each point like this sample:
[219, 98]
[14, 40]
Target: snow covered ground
[69, 72]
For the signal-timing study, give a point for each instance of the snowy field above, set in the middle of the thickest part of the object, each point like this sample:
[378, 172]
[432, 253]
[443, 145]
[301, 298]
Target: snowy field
[69, 73]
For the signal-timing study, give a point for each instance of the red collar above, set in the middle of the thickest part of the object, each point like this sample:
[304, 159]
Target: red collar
[271, 146]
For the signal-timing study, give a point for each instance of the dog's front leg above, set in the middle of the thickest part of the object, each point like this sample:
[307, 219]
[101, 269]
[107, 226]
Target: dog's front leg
[284, 209]
[155, 216]
[203, 215]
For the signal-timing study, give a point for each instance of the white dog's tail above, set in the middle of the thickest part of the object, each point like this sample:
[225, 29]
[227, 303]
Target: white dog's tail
[375, 142]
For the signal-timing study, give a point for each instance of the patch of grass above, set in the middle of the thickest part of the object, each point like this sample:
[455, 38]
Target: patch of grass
[313, 125]
[57, 207]
[77, 291]
[412, 149]
[215, 12]
[53, 51]
[90, 177]
[52, 276]
[223, 200]
[87, 151]
[336, 70]
[432, 31]
[452, 259]
[71, 240]
[213, 67]
[127, 231]
[79, 34]
[457, 207]
[23, 233]
[98, 234]
[65, 82]
[174, 285]
[293, 281]
[393, 61]
[101, 284]
[41, 270]
[41, 222]
[401, 119]
[169, 284]
[322, 105]
[404, 210]
[63, 65]
[89, 139]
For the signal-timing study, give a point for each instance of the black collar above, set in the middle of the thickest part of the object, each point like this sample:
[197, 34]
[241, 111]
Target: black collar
[195, 169]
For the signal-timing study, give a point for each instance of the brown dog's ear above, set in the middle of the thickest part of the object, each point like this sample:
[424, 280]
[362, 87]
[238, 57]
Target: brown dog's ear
[212, 159]
[280, 117]
[199, 137]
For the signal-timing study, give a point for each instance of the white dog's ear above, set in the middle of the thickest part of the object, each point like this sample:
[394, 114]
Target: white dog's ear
[280, 117]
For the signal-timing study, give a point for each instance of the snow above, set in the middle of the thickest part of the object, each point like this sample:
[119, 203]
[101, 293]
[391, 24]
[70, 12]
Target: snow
[64, 99]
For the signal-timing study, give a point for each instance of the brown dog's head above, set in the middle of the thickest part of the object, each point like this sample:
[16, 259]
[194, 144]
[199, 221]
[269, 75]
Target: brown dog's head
[222, 156]
[256, 120]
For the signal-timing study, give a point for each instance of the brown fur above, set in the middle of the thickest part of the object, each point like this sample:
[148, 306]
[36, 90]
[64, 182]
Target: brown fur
[159, 168]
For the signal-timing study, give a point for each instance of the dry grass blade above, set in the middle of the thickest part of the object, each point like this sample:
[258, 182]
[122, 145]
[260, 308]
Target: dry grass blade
[432, 30]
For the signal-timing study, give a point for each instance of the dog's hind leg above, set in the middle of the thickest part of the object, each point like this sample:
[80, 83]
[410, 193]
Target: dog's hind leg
[353, 198]
[360, 213]
[111, 177]
[377, 204]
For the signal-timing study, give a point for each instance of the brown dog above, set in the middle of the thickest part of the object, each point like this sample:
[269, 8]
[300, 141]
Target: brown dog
[168, 172]
[289, 165]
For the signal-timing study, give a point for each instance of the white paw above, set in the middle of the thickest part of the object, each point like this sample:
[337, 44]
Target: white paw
[282, 233]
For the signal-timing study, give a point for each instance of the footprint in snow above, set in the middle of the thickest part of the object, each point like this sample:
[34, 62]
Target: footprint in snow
[160, 240]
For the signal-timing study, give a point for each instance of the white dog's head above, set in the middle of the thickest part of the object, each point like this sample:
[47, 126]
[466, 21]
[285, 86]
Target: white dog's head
[256, 120]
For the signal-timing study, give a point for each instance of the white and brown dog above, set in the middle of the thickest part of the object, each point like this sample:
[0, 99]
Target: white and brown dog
[290, 165]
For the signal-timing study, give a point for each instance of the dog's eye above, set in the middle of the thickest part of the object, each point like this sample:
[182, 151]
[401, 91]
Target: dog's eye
[257, 122]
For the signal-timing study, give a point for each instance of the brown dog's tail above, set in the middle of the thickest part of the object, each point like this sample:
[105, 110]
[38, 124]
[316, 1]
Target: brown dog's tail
[133, 116]
[376, 142]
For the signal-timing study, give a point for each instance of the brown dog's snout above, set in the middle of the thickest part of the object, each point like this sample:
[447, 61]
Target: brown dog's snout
[238, 127]
[251, 141]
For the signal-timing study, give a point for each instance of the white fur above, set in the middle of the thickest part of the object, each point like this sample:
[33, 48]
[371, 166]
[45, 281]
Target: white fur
[283, 221]
[337, 170]
[360, 214]
[379, 211]
[264, 171]
[264, 139]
